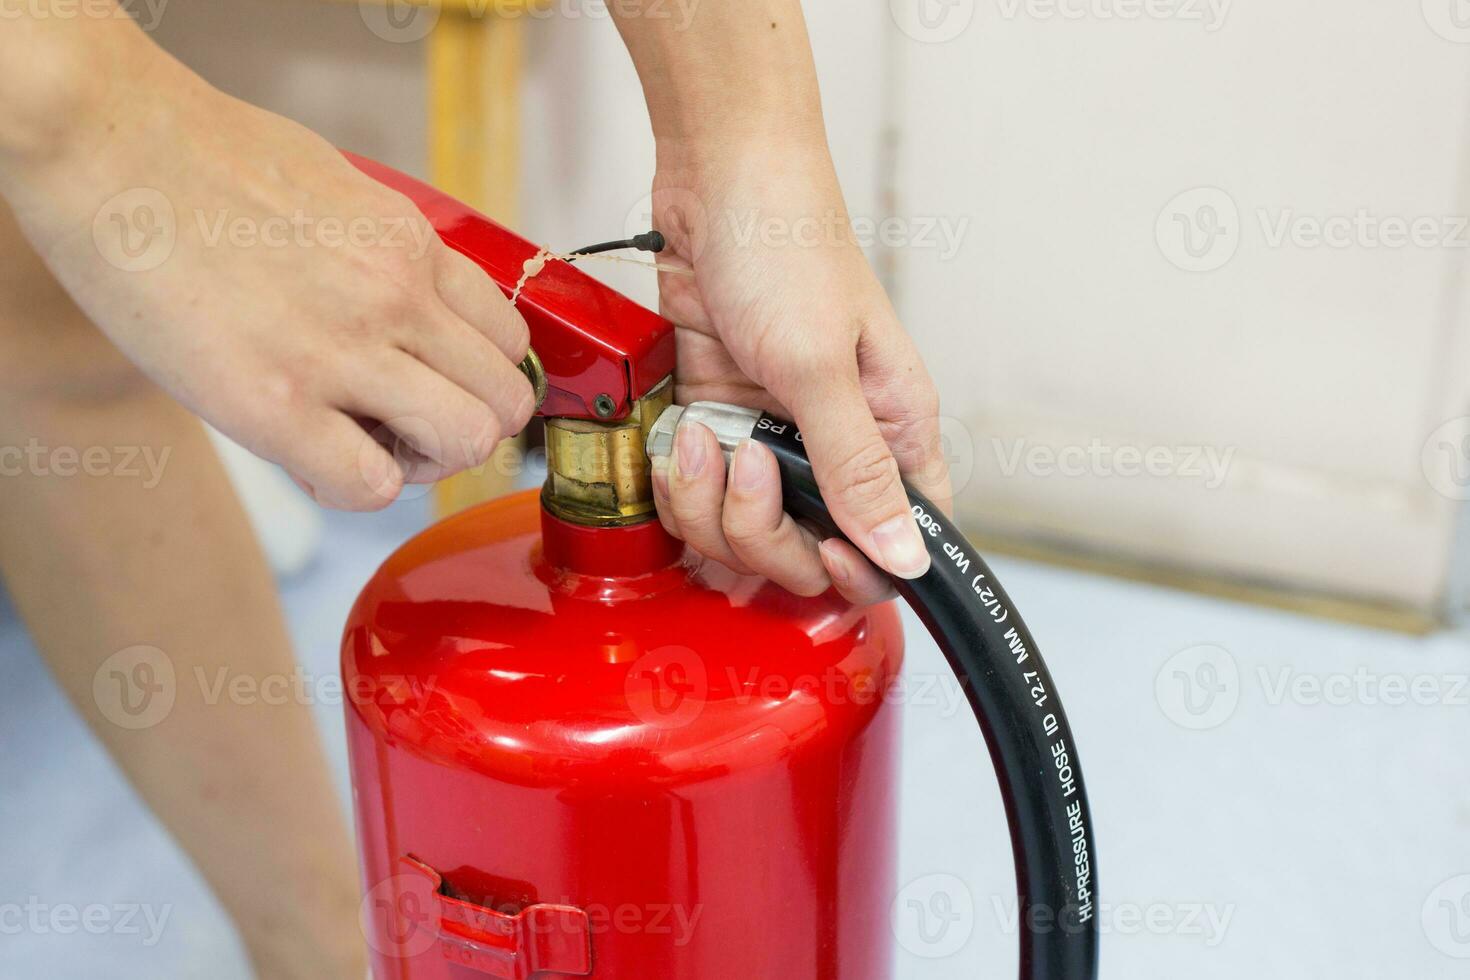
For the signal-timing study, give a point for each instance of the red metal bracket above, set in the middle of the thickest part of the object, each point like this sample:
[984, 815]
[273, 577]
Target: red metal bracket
[591, 339]
[540, 939]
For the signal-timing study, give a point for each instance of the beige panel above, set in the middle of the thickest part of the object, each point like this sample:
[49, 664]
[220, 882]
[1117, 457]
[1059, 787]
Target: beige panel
[318, 63]
[1061, 319]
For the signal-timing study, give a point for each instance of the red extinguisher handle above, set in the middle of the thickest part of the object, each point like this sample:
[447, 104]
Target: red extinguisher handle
[601, 351]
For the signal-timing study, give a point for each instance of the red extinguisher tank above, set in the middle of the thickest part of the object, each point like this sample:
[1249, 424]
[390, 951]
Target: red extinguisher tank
[579, 751]
[582, 752]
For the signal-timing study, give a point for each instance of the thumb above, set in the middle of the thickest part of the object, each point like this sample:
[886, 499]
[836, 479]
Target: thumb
[859, 478]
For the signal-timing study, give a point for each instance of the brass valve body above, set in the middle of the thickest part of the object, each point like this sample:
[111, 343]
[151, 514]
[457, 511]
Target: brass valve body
[598, 474]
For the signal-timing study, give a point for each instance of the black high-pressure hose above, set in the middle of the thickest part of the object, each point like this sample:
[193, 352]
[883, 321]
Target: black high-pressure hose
[1008, 686]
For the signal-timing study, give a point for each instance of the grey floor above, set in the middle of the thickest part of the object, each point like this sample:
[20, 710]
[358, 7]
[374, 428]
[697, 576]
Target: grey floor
[1276, 796]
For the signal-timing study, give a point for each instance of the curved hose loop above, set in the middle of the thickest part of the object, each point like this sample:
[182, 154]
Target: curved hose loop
[1011, 692]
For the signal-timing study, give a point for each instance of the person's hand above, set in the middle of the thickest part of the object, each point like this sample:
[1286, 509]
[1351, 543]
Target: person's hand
[303, 309]
[783, 312]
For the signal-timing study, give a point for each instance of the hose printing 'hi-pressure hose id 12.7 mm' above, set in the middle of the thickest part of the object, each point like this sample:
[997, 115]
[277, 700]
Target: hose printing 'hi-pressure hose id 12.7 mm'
[996, 660]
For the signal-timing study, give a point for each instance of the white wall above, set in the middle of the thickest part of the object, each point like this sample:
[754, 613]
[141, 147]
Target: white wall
[1324, 369]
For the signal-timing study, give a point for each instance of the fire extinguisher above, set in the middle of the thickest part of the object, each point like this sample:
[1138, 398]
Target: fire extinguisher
[579, 751]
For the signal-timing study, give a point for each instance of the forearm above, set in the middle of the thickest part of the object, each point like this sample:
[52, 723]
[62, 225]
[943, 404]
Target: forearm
[718, 73]
[62, 75]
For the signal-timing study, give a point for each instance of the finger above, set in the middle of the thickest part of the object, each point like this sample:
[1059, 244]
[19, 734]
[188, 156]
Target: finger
[661, 500]
[679, 298]
[706, 372]
[918, 447]
[455, 350]
[475, 298]
[697, 494]
[761, 534]
[339, 465]
[854, 576]
[907, 405]
[858, 476]
[435, 417]
[416, 467]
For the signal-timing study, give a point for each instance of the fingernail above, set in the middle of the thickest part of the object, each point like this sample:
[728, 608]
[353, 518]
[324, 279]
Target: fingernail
[902, 549]
[749, 470]
[689, 444]
[836, 564]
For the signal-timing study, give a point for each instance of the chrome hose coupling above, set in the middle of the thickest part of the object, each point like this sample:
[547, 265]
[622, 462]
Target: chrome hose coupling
[731, 425]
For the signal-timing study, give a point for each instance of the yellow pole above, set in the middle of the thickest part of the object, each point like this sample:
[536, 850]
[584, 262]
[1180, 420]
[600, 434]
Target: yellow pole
[474, 66]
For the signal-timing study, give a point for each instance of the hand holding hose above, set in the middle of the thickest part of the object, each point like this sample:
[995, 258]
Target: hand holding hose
[783, 312]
